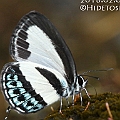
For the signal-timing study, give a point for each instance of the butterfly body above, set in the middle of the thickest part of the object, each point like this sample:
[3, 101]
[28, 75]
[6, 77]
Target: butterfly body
[44, 69]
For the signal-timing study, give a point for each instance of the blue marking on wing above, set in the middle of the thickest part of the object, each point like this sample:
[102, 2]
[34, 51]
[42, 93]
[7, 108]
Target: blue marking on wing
[13, 84]
[12, 77]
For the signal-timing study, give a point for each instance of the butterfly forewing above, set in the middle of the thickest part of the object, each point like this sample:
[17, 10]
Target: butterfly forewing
[35, 39]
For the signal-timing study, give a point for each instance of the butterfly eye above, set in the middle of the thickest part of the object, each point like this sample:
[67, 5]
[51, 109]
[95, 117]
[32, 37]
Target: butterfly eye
[80, 81]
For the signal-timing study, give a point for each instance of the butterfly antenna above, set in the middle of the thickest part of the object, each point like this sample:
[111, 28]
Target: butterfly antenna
[108, 69]
[8, 112]
[91, 76]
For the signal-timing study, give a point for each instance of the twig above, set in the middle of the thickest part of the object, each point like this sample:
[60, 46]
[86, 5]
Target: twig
[109, 112]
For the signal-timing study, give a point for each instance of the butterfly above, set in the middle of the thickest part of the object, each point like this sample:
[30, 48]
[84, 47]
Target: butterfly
[43, 70]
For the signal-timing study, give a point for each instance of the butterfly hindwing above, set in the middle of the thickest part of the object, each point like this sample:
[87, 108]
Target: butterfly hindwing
[35, 39]
[29, 87]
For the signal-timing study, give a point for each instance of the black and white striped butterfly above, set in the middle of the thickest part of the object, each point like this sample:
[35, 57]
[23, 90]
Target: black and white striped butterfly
[44, 70]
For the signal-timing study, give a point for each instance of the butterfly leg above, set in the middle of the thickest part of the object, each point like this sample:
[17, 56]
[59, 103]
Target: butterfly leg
[81, 95]
[87, 93]
[8, 112]
[60, 111]
[73, 97]
[81, 98]
[68, 103]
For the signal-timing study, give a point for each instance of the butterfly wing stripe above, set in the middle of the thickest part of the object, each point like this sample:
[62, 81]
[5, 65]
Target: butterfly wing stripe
[45, 45]
[22, 43]
[52, 79]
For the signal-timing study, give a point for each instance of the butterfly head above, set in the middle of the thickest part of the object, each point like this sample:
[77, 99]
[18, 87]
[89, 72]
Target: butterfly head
[80, 84]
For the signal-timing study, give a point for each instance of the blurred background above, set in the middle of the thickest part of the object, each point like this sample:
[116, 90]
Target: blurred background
[93, 38]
